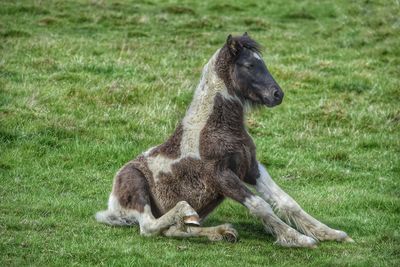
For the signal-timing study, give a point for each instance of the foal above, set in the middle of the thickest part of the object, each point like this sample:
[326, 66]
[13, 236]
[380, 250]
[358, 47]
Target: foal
[170, 188]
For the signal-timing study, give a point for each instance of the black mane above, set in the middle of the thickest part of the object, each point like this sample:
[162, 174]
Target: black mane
[248, 43]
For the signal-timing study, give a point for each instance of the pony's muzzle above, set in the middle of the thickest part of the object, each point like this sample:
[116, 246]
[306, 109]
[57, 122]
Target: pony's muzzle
[277, 95]
[273, 98]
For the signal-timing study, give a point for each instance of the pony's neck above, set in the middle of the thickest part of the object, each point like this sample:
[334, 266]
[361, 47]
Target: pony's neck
[202, 106]
[204, 97]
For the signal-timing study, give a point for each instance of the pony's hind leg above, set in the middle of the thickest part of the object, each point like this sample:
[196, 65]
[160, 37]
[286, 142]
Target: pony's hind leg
[129, 203]
[292, 213]
[128, 198]
[154, 226]
[173, 224]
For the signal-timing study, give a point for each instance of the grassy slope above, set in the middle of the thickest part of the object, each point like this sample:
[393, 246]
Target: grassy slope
[85, 86]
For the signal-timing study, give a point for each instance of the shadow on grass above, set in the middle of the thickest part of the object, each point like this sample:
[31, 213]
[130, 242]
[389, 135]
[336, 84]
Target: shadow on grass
[247, 230]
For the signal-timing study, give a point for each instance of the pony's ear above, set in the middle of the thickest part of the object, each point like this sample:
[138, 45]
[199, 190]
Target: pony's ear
[229, 39]
[233, 45]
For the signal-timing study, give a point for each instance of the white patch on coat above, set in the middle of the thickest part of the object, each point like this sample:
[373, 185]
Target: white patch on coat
[257, 56]
[148, 151]
[113, 203]
[201, 108]
[272, 192]
[258, 207]
[159, 164]
[195, 119]
[116, 214]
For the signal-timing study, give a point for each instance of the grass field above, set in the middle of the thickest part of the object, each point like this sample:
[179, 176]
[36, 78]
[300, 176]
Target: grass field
[87, 85]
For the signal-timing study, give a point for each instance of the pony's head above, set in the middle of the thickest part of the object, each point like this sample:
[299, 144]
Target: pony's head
[244, 72]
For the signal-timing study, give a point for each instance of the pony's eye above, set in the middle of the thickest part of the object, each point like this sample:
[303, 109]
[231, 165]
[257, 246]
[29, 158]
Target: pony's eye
[246, 65]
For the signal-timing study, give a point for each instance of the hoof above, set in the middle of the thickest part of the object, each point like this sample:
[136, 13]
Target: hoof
[348, 240]
[343, 237]
[313, 246]
[310, 243]
[230, 236]
[299, 242]
[193, 220]
[328, 234]
[224, 232]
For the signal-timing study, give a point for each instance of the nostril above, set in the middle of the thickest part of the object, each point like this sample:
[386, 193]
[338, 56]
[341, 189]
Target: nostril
[276, 94]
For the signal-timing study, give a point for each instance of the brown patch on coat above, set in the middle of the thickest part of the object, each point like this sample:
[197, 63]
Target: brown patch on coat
[172, 147]
[140, 163]
[191, 180]
[223, 67]
[231, 186]
[225, 139]
[209, 207]
[131, 188]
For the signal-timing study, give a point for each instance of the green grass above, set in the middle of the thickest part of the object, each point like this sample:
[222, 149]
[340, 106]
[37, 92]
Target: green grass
[87, 85]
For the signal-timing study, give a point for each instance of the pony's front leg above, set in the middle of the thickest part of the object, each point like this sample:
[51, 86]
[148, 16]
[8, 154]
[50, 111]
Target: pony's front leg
[231, 186]
[292, 213]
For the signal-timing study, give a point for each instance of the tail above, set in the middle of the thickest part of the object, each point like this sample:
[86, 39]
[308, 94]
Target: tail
[115, 218]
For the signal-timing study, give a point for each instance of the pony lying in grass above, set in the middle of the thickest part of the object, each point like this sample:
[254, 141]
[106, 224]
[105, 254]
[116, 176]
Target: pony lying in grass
[169, 189]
